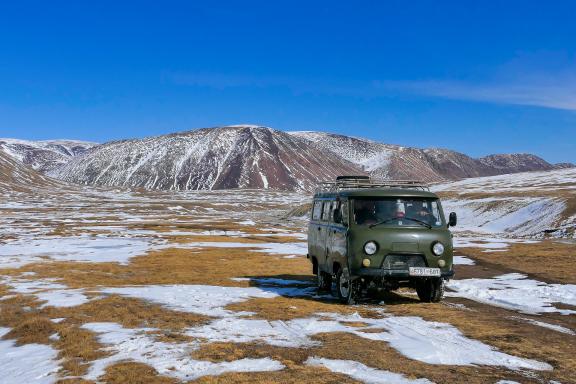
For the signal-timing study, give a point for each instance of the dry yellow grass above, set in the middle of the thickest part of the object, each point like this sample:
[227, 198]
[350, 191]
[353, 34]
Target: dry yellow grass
[498, 327]
[30, 324]
[134, 373]
[547, 260]
[290, 375]
[130, 313]
[215, 266]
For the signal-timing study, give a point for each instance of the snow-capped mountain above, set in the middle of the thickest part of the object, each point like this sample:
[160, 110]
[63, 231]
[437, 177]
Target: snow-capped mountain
[249, 156]
[211, 158]
[44, 155]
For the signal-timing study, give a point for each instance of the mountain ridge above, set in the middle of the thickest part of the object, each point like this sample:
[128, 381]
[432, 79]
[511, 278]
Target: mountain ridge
[250, 156]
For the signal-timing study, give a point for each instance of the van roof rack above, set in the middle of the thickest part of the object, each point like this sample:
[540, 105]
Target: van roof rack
[359, 182]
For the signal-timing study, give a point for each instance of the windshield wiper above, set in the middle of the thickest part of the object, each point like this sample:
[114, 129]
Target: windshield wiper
[419, 221]
[383, 222]
[401, 218]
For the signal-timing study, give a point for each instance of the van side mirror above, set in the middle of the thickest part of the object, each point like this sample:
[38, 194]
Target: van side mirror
[337, 216]
[452, 219]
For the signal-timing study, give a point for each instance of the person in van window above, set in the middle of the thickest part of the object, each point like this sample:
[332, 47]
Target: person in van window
[421, 211]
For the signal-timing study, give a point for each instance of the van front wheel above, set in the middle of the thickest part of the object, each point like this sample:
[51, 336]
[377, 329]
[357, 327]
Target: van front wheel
[347, 289]
[324, 281]
[430, 290]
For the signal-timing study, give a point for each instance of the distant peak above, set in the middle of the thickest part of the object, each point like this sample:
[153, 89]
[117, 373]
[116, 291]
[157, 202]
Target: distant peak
[245, 126]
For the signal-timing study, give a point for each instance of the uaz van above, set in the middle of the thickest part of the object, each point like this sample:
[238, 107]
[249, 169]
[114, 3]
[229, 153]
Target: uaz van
[379, 234]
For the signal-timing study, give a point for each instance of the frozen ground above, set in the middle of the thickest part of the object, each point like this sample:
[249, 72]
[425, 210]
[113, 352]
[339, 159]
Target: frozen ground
[361, 372]
[26, 364]
[533, 204]
[170, 359]
[515, 291]
[527, 181]
[265, 303]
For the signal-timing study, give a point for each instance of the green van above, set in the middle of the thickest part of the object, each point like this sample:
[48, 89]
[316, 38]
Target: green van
[367, 234]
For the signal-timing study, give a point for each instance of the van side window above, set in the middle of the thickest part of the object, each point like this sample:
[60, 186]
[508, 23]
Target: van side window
[327, 211]
[317, 211]
[344, 211]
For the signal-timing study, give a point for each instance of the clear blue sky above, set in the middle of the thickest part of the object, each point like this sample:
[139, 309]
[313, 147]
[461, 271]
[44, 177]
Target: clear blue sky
[476, 76]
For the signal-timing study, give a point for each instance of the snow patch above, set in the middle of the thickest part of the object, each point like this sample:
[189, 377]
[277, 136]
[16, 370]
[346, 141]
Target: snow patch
[554, 327]
[201, 299]
[294, 248]
[169, 359]
[362, 372]
[415, 338]
[79, 248]
[47, 290]
[29, 363]
[463, 260]
[506, 216]
[514, 291]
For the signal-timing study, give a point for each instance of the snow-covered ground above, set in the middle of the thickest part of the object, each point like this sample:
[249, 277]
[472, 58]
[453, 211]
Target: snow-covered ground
[49, 291]
[84, 248]
[26, 364]
[515, 291]
[169, 359]
[526, 181]
[530, 204]
[505, 216]
[362, 372]
[116, 227]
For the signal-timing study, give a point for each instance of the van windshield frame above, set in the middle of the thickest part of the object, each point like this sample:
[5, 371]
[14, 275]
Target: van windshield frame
[398, 212]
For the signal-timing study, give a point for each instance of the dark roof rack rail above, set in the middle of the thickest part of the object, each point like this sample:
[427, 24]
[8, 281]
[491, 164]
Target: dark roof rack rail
[355, 182]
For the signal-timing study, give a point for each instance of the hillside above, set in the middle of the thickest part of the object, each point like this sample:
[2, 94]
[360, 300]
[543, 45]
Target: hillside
[431, 165]
[529, 204]
[17, 177]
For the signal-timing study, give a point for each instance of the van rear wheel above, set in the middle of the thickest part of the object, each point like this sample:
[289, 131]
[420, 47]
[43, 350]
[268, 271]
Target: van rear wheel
[430, 290]
[324, 281]
[347, 289]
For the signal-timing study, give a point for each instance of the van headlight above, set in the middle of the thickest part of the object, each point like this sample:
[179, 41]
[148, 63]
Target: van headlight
[370, 248]
[438, 249]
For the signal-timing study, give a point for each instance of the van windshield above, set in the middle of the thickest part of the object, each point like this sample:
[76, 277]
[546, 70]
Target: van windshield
[397, 212]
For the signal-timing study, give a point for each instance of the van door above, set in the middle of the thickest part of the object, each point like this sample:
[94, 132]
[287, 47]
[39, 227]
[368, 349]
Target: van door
[314, 247]
[336, 240]
[323, 230]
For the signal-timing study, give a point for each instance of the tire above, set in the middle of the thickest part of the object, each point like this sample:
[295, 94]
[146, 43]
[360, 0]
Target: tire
[347, 290]
[430, 290]
[324, 282]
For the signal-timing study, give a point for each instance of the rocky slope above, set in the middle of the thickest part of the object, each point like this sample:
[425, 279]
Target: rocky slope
[211, 158]
[43, 155]
[517, 162]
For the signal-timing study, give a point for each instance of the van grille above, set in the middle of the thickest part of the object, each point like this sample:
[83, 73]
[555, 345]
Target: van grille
[403, 262]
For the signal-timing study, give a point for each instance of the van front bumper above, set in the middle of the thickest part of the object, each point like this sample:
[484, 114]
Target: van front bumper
[397, 273]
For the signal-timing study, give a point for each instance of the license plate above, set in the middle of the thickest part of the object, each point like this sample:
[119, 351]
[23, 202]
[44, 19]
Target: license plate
[421, 271]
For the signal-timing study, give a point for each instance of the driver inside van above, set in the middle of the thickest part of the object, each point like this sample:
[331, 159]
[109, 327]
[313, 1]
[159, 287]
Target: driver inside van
[421, 210]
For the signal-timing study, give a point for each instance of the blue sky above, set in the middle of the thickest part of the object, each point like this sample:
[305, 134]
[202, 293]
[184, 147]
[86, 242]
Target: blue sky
[475, 76]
